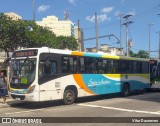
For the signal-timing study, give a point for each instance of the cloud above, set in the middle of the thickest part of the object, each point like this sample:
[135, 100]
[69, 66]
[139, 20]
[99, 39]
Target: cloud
[101, 18]
[122, 1]
[72, 1]
[43, 8]
[117, 13]
[133, 13]
[107, 9]
[90, 18]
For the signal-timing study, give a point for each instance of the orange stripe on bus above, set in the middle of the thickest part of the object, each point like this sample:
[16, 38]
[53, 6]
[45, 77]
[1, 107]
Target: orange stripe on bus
[79, 80]
[78, 53]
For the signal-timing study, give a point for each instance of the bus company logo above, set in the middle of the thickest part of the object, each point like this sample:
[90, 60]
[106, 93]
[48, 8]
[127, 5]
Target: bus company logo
[6, 120]
[101, 82]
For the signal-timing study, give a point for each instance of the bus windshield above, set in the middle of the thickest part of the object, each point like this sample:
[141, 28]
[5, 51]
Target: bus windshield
[22, 72]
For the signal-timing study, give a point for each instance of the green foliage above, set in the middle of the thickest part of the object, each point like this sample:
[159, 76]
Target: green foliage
[22, 33]
[140, 54]
[66, 43]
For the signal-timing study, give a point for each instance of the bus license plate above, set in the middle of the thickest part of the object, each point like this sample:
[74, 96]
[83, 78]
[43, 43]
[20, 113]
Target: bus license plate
[18, 99]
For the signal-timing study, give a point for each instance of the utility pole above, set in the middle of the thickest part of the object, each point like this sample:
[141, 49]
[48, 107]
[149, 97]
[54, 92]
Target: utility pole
[79, 41]
[120, 38]
[96, 29]
[33, 9]
[149, 41]
[120, 33]
[159, 47]
[159, 43]
[127, 24]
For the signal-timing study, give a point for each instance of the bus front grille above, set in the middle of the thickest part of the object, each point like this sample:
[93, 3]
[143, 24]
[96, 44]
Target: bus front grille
[22, 97]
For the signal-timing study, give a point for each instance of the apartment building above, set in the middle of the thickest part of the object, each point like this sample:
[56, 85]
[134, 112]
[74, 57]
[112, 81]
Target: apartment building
[13, 16]
[58, 27]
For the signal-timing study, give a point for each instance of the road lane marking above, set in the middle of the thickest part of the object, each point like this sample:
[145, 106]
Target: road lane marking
[120, 109]
[22, 112]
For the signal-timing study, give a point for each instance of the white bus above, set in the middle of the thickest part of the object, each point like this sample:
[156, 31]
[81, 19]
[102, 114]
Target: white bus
[43, 74]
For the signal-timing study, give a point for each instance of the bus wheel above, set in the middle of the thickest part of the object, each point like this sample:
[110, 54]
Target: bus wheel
[69, 97]
[125, 90]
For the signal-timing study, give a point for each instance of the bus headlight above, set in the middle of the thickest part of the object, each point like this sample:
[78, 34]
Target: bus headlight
[30, 90]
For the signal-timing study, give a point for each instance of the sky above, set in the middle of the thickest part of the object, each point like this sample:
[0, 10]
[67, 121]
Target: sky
[143, 12]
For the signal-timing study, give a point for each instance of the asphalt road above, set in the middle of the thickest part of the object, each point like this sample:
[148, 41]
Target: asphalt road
[137, 105]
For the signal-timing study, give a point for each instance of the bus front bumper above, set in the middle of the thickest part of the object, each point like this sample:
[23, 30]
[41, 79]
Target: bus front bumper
[23, 97]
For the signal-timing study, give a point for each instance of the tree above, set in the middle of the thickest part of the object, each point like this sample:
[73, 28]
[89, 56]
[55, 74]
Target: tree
[27, 34]
[143, 54]
[140, 54]
[64, 42]
[5, 23]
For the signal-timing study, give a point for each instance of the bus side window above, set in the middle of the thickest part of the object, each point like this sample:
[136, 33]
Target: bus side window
[53, 67]
[99, 66]
[65, 64]
[75, 65]
[47, 69]
[82, 65]
[41, 69]
[105, 66]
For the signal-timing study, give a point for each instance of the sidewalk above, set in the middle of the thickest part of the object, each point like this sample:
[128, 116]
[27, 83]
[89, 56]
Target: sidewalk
[9, 102]
[155, 87]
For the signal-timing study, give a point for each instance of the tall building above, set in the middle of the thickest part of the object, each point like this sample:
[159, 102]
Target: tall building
[78, 34]
[13, 16]
[58, 27]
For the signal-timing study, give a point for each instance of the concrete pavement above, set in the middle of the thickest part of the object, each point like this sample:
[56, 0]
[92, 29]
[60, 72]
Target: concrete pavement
[8, 100]
[156, 85]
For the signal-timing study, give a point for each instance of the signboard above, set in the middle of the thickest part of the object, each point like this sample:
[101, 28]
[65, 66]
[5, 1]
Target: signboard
[25, 53]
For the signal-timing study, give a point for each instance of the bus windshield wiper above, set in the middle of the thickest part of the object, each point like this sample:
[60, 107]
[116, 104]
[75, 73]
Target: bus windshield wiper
[23, 63]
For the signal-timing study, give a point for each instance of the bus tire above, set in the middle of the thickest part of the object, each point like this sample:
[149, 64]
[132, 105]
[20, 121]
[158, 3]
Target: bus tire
[69, 96]
[125, 90]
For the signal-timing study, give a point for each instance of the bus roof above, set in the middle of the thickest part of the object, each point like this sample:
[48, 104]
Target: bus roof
[77, 53]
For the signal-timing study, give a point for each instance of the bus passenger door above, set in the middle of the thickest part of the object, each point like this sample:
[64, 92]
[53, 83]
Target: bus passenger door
[49, 81]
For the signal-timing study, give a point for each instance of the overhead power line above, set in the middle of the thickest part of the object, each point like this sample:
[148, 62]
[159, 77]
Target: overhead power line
[104, 36]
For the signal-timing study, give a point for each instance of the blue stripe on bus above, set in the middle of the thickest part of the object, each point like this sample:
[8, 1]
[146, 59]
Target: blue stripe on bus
[100, 84]
[92, 54]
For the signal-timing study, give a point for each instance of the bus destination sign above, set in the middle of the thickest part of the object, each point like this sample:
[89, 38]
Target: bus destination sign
[25, 53]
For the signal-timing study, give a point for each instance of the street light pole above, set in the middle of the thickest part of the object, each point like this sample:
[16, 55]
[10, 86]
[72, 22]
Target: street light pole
[149, 25]
[33, 9]
[96, 29]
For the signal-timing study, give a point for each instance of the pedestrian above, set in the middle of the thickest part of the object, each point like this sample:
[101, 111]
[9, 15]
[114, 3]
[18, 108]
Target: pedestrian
[3, 86]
